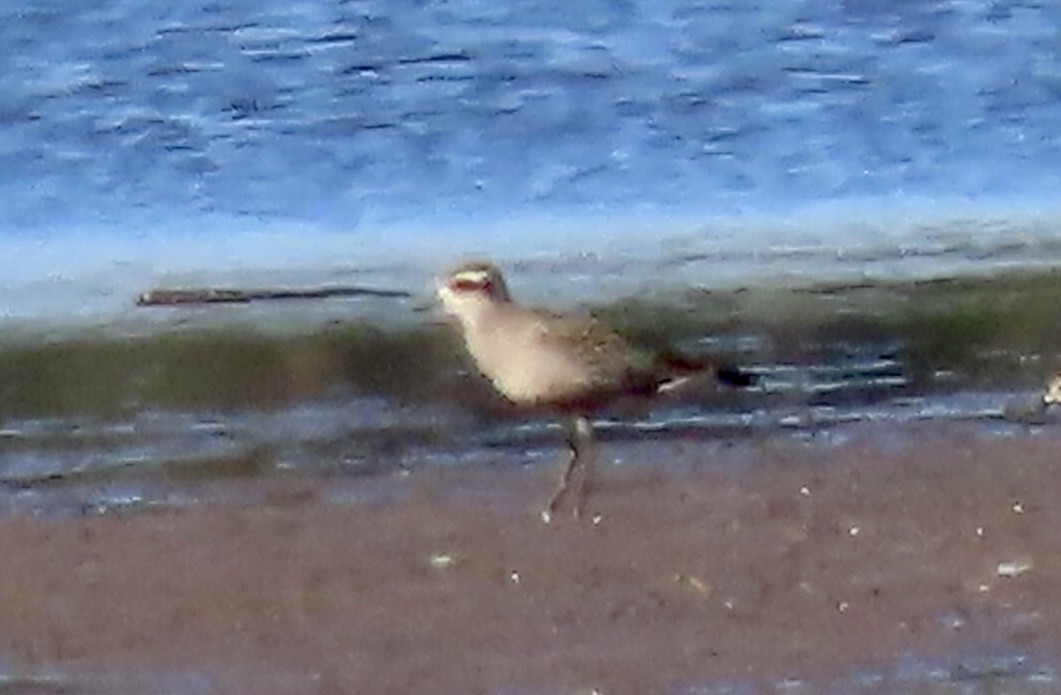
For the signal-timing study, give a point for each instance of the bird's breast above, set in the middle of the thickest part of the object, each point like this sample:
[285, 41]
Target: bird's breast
[523, 365]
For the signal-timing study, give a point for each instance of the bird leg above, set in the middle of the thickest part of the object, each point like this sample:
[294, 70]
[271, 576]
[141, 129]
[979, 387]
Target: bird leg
[566, 470]
[580, 438]
[584, 445]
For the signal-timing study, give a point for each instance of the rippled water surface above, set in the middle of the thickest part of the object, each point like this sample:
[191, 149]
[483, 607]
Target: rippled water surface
[239, 143]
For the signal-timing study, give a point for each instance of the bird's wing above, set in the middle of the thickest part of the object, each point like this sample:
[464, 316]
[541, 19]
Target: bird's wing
[607, 355]
[613, 359]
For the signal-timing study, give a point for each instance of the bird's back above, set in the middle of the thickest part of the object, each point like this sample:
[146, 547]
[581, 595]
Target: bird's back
[537, 357]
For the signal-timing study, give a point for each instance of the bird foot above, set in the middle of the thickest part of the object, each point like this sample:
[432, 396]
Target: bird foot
[549, 513]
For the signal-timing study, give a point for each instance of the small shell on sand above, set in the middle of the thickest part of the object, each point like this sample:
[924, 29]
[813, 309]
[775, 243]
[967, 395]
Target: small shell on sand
[441, 561]
[1013, 569]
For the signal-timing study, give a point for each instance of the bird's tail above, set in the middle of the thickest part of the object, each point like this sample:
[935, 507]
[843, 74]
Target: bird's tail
[677, 366]
[733, 376]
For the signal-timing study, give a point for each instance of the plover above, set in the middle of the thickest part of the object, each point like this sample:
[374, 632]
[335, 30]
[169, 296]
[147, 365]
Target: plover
[1052, 394]
[569, 364]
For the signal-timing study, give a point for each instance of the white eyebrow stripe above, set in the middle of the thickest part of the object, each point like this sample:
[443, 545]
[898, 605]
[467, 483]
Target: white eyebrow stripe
[476, 276]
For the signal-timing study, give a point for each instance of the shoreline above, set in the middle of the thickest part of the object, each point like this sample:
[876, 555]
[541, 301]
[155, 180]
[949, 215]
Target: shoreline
[863, 342]
[765, 564]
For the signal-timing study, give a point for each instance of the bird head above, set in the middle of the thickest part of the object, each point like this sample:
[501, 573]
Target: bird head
[471, 288]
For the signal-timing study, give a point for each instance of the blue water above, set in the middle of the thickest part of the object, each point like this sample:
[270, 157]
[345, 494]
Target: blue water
[205, 142]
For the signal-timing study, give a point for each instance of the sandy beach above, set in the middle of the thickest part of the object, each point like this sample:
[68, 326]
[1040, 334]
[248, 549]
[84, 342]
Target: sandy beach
[774, 565]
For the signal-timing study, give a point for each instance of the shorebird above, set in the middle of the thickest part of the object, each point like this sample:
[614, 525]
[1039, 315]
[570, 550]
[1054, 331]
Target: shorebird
[1052, 394]
[568, 364]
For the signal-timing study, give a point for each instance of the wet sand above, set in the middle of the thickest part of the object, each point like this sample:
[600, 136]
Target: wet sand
[770, 565]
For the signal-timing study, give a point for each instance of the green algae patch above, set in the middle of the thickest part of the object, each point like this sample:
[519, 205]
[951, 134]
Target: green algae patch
[984, 331]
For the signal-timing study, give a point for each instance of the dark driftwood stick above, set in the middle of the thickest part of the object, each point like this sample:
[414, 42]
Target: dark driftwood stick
[216, 296]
